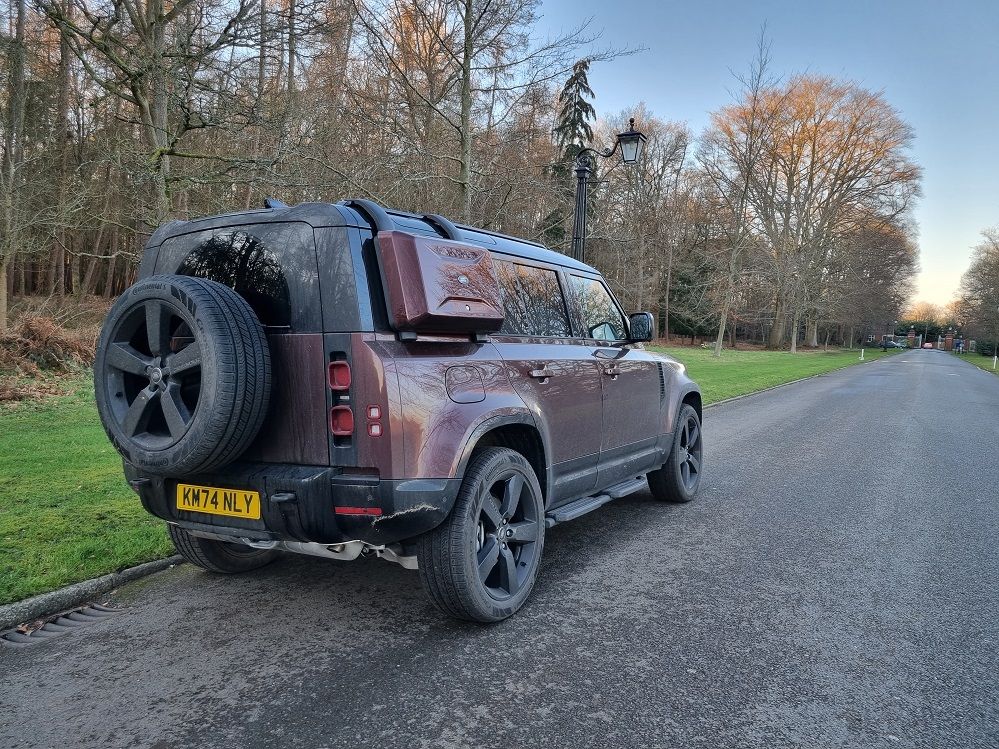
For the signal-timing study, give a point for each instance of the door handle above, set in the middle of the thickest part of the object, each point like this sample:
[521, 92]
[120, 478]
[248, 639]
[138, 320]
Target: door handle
[542, 374]
[612, 372]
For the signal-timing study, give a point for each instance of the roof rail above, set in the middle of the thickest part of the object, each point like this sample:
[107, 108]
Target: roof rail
[375, 213]
[441, 224]
[274, 203]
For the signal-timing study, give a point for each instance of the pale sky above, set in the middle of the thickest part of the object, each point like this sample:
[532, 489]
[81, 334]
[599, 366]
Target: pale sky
[937, 62]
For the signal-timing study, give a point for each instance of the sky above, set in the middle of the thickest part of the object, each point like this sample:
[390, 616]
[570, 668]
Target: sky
[937, 62]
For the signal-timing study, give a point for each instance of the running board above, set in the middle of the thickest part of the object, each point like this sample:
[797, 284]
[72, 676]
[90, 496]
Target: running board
[582, 506]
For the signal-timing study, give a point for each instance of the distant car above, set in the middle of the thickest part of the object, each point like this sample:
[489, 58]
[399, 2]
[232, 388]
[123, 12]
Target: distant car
[892, 344]
[927, 345]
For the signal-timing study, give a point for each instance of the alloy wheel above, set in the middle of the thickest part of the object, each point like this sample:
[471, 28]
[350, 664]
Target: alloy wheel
[153, 371]
[689, 463]
[507, 536]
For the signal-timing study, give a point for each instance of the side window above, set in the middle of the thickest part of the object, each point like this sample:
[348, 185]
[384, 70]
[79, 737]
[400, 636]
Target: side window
[600, 316]
[532, 301]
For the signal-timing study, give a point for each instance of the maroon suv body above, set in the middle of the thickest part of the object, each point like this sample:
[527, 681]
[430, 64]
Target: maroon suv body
[343, 380]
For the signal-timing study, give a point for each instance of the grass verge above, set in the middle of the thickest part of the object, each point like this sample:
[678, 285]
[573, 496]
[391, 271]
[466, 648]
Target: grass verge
[742, 372]
[982, 362]
[66, 513]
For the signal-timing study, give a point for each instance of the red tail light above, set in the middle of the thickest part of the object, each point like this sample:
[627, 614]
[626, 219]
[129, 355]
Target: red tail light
[339, 375]
[341, 421]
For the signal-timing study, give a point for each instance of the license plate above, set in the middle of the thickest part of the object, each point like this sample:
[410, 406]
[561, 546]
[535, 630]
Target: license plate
[234, 503]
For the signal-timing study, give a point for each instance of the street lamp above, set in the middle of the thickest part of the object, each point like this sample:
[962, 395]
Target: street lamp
[632, 143]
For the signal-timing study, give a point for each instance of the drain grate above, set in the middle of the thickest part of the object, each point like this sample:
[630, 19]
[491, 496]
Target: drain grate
[56, 626]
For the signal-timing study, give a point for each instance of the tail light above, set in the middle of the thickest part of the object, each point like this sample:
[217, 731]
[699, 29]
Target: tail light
[341, 421]
[338, 376]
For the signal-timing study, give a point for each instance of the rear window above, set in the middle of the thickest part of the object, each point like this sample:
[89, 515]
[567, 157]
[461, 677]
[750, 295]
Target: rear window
[532, 301]
[272, 266]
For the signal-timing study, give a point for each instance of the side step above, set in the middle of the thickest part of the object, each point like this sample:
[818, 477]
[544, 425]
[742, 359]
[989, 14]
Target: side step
[584, 505]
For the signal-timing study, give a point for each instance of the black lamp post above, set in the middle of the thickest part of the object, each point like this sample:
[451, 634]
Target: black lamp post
[632, 143]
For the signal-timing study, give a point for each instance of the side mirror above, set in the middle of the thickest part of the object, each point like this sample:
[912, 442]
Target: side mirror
[643, 327]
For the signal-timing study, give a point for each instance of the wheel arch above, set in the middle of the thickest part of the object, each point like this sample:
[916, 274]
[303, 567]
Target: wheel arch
[517, 432]
[693, 398]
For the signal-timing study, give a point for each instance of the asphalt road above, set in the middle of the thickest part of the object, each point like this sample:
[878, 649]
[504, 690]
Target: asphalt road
[836, 584]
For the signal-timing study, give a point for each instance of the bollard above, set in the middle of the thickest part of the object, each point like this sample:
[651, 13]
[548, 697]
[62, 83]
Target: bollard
[861, 354]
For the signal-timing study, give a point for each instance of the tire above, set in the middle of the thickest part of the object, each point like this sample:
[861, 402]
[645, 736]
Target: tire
[218, 556]
[498, 525]
[680, 477]
[182, 375]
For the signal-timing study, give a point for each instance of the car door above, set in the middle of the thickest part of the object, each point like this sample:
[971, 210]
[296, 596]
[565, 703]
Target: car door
[555, 374]
[632, 389]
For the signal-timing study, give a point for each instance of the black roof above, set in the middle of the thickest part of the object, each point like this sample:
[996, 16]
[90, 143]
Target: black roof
[368, 214]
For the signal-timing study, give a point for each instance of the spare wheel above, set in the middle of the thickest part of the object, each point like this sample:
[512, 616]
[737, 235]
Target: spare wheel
[182, 375]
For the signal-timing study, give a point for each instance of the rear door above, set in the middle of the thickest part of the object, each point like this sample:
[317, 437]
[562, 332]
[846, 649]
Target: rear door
[554, 373]
[273, 267]
[631, 385]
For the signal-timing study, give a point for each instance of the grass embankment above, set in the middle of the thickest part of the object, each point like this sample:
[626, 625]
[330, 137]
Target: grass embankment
[982, 362]
[741, 372]
[66, 513]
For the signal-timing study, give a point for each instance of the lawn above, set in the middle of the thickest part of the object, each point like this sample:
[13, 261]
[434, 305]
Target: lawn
[740, 372]
[982, 362]
[66, 513]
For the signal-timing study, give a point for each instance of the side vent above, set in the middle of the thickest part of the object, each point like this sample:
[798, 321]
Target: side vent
[662, 382]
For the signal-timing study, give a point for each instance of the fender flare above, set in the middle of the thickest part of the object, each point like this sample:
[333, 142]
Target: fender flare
[492, 422]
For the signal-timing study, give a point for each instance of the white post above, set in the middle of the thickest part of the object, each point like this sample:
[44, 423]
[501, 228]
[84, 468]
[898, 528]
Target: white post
[994, 360]
[861, 354]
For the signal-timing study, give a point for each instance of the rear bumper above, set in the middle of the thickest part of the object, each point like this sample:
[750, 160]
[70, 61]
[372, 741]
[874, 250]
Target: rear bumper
[300, 503]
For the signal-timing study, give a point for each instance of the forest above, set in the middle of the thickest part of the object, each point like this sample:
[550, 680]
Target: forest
[786, 222]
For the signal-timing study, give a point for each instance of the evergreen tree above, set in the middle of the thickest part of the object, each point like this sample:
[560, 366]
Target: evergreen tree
[572, 132]
[572, 127]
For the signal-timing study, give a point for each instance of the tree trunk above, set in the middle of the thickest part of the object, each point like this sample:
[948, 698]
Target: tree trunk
[795, 322]
[65, 136]
[11, 158]
[87, 284]
[3, 293]
[777, 331]
[812, 332]
[291, 47]
[468, 49]
[721, 328]
[21, 286]
[74, 270]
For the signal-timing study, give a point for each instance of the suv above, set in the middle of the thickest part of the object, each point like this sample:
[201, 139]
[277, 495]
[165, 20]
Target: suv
[346, 380]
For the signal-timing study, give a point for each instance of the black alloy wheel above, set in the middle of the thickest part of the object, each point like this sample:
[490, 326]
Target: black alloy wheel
[481, 563]
[680, 476]
[506, 541]
[154, 360]
[689, 458]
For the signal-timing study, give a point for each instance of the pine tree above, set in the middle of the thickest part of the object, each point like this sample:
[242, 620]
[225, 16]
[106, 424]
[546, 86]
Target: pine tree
[572, 132]
[572, 128]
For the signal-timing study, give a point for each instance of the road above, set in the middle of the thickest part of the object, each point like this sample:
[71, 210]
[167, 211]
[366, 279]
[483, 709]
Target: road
[836, 584]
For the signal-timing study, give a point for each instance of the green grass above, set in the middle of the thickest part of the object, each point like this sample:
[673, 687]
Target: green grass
[66, 513]
[982, 362]
[740, 372]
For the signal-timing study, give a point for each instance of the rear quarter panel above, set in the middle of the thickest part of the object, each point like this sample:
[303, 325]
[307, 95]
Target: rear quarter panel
[437, 420]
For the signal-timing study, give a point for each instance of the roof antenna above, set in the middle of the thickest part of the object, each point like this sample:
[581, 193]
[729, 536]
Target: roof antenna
[274, 203]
